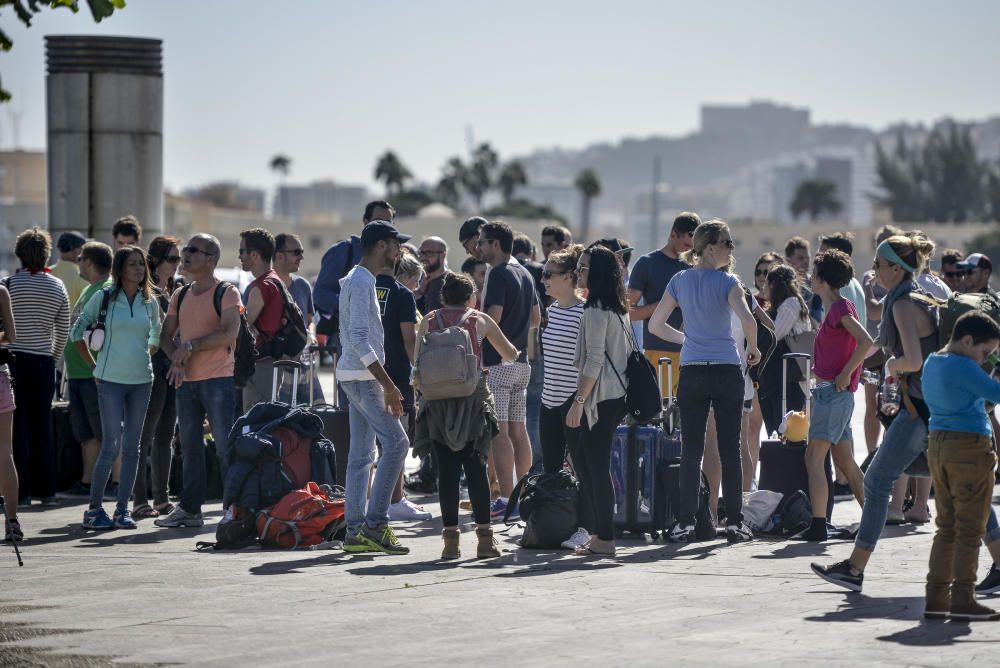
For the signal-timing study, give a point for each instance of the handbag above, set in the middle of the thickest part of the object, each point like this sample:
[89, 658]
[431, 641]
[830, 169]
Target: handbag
[94, 334]
[643, 401]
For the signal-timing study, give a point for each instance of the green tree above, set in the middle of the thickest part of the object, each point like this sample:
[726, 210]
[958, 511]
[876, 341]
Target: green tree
[523, 208]
[512, 176]
[993, 195]
[478, 178]
[815, 197]
[281, 165]
[409, 202]
[26, 10]
[390, 169]
[987, 243]
[589, 185]
[449, 187]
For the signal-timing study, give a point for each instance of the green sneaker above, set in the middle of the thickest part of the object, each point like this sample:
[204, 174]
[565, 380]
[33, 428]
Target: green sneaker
[359, 543]
[382, 539]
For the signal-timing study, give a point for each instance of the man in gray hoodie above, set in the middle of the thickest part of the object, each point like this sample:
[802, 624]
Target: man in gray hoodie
[375, 403]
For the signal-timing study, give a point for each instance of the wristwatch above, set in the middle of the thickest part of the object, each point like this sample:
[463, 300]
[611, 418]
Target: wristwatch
[581, 400]
[190, 346]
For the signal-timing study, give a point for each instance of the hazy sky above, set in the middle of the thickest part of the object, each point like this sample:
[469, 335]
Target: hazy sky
[333, 84]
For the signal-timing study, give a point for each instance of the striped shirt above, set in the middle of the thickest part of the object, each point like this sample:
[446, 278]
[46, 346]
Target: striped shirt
[558, 351]
[41, 313]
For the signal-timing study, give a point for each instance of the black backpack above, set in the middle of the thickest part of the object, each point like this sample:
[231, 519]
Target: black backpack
[245, 351]
[793, 514]
[291, 338]
[548, 505]
[642, 391]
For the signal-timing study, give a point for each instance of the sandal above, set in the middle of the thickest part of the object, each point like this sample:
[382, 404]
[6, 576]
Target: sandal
[144, 511]
[893, 519]
[163, 508]
[590, 549]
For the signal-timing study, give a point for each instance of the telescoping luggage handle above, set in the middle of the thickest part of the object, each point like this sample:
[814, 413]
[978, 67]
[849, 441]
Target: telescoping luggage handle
[784, 380]
[669, 403]
[280, 366]
[314, 369]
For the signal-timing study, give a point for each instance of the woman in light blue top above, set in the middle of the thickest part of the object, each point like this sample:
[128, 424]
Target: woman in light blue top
[124, 375]
[711, 376]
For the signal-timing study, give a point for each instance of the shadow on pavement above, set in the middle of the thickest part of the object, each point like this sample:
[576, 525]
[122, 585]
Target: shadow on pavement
[931, 634]
[858, 607]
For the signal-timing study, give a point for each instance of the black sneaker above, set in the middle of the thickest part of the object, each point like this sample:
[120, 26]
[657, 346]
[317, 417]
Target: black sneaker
[738, 534]
[842, 492]
[840, 574]
[420, 485]
[991, 583]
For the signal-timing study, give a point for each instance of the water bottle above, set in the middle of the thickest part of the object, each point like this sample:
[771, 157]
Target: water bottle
[890, 396]
[869, 377]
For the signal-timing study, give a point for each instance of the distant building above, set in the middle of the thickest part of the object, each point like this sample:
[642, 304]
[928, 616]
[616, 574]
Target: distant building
[757, 118]
[228, 195]
[561, 197]
[23, 202]
[321, 200]
[646, 234]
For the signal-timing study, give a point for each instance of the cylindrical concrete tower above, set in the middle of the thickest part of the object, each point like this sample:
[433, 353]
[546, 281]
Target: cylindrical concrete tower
[105, 133]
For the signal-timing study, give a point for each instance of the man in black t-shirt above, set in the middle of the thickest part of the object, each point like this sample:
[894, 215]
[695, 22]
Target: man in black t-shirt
[510, 300]
[434, 258]
[649, 280]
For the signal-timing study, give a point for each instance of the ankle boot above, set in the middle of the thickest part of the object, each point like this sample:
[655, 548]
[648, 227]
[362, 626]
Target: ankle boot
[451, 550]
[488, 547]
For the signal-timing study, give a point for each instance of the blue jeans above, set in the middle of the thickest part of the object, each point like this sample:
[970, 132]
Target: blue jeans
[123, 410]
[369, 420]
[905, 439]
[992, 528]
[533, 413]
[216, 399]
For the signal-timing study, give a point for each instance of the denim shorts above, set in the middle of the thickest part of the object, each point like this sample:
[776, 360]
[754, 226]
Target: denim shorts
[831, 414]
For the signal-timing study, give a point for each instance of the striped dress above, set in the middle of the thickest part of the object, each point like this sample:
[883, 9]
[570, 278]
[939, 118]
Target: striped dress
[558, 350]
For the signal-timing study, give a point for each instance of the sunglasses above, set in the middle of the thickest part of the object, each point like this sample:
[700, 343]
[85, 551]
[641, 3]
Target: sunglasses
[172, 259]
[550, 274]
[194, 249]
[728, 243]
[298, 252]
[760, 272]
[430, 252]
[956, 274]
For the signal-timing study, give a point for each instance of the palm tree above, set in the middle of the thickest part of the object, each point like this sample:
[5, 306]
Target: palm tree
[815, 197]
[452, 177]
[281, 165]
[589, 185]
[512, 176]
[390, 169]
[478, 178]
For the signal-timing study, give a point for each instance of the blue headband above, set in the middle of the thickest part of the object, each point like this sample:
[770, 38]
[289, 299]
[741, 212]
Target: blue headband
[885, 250]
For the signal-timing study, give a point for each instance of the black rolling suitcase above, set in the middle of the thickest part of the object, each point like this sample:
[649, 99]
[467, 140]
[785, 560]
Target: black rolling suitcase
[69, 457]
[782, 464]
[336, 421]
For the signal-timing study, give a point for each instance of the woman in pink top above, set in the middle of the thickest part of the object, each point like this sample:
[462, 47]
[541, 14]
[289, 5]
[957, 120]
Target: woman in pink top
[841, 345]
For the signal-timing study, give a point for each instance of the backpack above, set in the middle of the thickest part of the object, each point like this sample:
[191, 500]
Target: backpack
[961, 303]
[643, 402]
[245, 351]
[302, 518]
[447, 367]
[793, 514]
[292, 335]
[95, 332]
[548, 506]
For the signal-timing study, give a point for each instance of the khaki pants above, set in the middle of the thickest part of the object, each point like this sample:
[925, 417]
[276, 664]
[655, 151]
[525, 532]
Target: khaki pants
[962, 466]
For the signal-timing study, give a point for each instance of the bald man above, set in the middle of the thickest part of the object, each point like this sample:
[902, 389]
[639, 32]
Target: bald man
[434, 257]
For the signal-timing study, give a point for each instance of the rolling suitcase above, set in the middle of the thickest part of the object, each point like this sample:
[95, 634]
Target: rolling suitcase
[336, 421]
[69, 458]
[637, 453]
[782, 464]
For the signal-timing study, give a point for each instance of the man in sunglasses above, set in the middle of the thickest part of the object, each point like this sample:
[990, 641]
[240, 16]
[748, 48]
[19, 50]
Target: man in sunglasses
[980, 269]
[288, 255]
[950, 273]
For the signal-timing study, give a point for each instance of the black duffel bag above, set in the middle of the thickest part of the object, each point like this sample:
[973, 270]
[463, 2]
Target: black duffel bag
[548, 506]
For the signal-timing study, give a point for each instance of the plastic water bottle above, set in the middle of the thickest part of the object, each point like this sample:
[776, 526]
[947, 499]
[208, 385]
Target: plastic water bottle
[869, 377]
[890, 396]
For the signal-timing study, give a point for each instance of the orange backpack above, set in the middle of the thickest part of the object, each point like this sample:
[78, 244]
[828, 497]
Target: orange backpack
[302, 518]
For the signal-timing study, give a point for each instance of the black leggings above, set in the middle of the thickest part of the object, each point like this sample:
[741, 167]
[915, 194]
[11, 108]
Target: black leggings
[34, 450]
[552, 430]
[449, 468]
[592, 460]
[718, 386]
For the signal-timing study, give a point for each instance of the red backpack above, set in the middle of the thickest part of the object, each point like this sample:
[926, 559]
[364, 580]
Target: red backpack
[302, 518]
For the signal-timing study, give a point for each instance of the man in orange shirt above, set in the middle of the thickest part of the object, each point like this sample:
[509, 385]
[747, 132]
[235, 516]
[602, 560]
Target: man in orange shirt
[200, 339]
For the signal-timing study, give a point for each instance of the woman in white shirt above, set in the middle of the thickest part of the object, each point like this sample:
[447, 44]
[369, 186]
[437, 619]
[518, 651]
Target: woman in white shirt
[790, 314]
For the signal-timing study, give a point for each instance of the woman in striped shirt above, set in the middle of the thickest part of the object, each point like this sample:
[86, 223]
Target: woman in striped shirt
[558, 351]
[41, 310]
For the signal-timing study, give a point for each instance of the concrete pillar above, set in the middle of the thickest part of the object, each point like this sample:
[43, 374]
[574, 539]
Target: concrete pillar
[105, 133]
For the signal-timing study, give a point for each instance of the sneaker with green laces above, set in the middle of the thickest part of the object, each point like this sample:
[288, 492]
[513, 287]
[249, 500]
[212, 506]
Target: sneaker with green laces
[380, 539]
[356, 542]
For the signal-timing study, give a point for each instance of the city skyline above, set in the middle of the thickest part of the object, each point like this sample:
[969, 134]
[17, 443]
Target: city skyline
[334, 88]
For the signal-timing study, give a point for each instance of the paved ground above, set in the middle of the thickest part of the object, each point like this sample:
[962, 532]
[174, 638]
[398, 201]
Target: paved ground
[146, 597]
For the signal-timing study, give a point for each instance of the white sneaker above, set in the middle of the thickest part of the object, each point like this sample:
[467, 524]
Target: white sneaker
[405, 510]
[579, 537]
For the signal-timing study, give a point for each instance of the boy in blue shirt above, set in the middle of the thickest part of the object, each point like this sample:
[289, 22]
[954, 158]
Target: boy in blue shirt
[961, 457]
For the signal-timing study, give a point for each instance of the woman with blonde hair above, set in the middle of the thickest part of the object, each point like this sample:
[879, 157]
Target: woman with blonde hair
[712, 376]
[908, 334]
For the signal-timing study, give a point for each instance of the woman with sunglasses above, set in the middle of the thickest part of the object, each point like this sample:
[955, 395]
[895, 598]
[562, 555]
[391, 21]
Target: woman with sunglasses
[712, 377]
[161, 414]
[764, 264]
[559, 345]
[908, 335]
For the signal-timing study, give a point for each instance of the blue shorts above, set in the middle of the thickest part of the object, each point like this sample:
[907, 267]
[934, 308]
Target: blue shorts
[831, 415]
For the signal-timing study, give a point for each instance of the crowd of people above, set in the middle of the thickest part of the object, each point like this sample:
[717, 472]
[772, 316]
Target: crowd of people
[140, 341]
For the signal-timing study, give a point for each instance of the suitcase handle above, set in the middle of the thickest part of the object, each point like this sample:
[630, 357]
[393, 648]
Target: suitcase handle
[669, 405]
[279, 367]
[795, 357]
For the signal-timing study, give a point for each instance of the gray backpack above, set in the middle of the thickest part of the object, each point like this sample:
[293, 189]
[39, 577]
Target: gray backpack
[447, 367]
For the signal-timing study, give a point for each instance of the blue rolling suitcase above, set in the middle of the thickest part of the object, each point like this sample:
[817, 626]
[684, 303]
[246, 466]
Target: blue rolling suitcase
[638, 453]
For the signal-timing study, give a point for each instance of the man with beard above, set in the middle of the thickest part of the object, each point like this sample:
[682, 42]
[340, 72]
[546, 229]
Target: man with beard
[434, 257]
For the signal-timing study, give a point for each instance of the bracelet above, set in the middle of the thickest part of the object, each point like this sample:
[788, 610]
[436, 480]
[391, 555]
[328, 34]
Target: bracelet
[580, 400]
